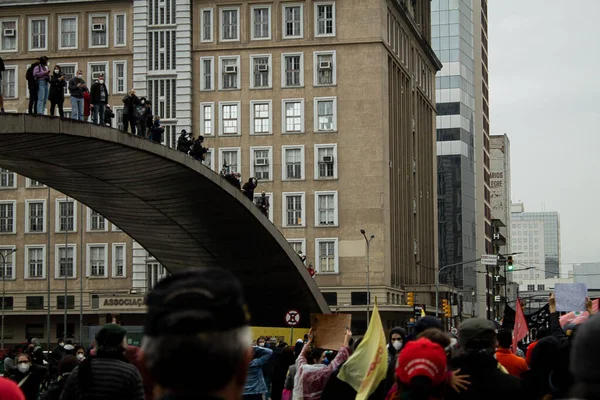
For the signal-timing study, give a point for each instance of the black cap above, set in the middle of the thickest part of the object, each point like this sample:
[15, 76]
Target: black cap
[196, 300]
[426, 323]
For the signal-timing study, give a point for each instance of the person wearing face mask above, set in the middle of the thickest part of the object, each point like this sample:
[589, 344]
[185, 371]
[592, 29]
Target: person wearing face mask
[42, 75]
[66, 366]
[79, 353]
[397, 337]
[28, 376]
[98, 100]
[142, 111]
[77, 88]
[57, 91]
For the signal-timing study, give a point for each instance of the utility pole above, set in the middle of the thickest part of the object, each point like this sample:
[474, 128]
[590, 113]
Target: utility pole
[368, 241]
[4, 255]
[437, 282]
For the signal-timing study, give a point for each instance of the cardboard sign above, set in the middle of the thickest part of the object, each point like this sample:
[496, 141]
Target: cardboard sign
[570, 296]
[329, 330]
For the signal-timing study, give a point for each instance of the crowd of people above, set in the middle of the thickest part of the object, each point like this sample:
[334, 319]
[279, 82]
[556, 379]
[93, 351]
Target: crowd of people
[197, 345]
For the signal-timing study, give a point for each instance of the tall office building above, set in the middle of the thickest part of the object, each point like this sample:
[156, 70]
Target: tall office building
[330, 104]
[537, 236]
[459, 37]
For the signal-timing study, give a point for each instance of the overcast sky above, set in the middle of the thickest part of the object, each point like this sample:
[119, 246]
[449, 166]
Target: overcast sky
[545, 95]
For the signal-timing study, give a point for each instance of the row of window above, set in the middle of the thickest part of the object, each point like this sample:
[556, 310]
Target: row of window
[326, 253]
[530, 226]
[292, 22]
[292, 161]
[67, 27]
[531, 288]
[37, 303]
[229, 117]
[10, 77]
[229, 71]
[293, 212]
[521, 233]
[65, 261]
[35, 217]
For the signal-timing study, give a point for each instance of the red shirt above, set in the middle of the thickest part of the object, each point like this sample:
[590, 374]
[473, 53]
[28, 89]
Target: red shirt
[515, 365]
[529, 351]
[10, 390]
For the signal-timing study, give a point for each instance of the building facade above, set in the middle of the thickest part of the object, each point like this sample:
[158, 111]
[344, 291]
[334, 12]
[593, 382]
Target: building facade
[330, 105]
[537, 236]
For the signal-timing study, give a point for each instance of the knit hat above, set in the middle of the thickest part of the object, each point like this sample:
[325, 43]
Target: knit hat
[584, 364]
[472, 329]
[111, 335]
[422, 357]
[426, 323]
[196, 300]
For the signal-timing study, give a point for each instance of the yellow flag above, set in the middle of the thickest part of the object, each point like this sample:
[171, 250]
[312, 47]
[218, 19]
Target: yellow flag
[367, 367]
[423, 313]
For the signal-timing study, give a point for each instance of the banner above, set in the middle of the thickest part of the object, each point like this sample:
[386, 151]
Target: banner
[521, 328]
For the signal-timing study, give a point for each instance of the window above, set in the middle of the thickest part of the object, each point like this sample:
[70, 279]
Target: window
[7, 269]
[269, 196]
[293, 209]
[207, 119]
[118, 119]
[530, 288]
[326, 161]
[325, 114]
[60, 304]
[292, 162]
[7, 178]
[326, 256]
[120, 30]
[230, 118]
[9, 83]
[207, 66]
[66, 215]
[299, 245]
[8, 209]
[292, 21]
[97, 69]
[33, 184]
[541, 287]
[70, 331]
[35, 261]
[96, 260]
[98, 26]
[34, 303]
[69, 71]
[293, 116]
[65, 261]
[8, 305]
[324, 68]
[67, 34]
[209, 159]
[206, 25]
[230, 25]
[260, 117]
[118, 260]
[260, 71]
[262, 163]
[292, 70]
[155, 272]
[35, 221]
[9, 32]
[38, 33]
[326, 209]
[358, 298]
[96, 222]
[261, 23]
[230, 72]
[230, 159]
[120, 76]
[162, 50]
[325, 19]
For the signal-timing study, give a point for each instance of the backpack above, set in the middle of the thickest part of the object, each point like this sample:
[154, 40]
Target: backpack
[2, 67]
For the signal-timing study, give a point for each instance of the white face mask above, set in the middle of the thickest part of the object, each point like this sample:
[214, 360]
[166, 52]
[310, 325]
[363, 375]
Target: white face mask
[261, 344]
[56, 71]
[80, 76]
[101, 81]
[143, 102]
[23, 367]
[397, 345]
[61, 344]
[79, 356]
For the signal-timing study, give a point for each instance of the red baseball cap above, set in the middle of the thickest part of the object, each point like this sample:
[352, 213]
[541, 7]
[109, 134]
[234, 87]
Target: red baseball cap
[422, 358]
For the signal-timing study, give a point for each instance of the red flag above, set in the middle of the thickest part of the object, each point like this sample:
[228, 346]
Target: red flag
[595, 305]
[521, 328]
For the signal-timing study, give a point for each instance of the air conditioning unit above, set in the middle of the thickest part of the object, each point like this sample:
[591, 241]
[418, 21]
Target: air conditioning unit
[9, 32]
[261, 68]
[325, 65]
[231, 69]
[261, 161]
[327, 159]
[98, 27]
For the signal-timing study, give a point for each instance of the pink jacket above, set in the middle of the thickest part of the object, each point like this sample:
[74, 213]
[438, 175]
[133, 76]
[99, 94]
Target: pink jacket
[311, 379]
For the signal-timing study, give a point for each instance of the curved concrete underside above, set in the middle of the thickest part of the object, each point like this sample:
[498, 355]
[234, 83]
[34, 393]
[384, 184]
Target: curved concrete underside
[183, 213]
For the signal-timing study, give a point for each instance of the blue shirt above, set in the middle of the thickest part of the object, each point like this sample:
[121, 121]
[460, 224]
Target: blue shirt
[255, 381]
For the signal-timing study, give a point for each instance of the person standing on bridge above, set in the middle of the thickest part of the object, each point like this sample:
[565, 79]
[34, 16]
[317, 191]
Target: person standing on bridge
[77, 88]
[249, 187]
[263, 204]
[57, 91]
[42, 74]
[130, 102]
[99, 99]
[32, 86]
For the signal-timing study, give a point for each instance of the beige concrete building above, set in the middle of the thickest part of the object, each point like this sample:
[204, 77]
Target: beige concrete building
[330, 104]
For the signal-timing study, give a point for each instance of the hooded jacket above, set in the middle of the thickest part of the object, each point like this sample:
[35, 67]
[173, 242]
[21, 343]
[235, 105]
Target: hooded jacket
[57, 87]
[390, 377]
[95, 97]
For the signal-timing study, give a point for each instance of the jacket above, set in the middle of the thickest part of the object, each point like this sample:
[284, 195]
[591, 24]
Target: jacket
[129, 103]
[255, 381]
[31, 387]
[31, 81]
[515, 365]
[57, 88]
[55, 389]
[95, 93]
[108, 116]
[40, 72]
[75, 91]
[487, 380]
[86, 104]
[311, 379]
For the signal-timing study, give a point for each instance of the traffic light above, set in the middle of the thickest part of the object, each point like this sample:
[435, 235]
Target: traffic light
[447, 309]
[509, 263]
[410, 299]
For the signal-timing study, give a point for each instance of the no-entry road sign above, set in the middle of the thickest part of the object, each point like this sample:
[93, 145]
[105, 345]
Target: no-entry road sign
[292, 318]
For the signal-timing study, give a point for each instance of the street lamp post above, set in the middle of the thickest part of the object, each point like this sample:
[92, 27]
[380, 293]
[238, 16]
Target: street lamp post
[437, 282]
[4, 291]
[368, 241]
